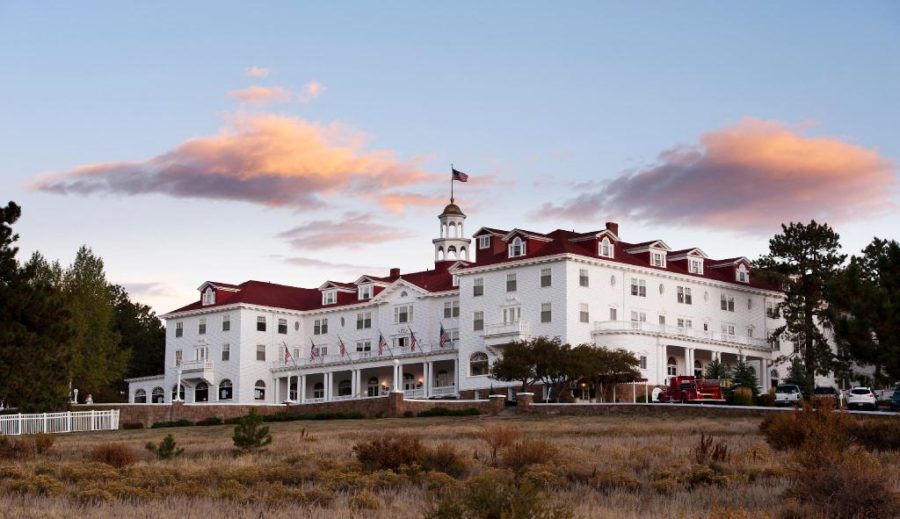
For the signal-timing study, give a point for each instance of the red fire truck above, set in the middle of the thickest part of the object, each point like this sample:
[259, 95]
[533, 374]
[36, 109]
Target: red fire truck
[688, 390]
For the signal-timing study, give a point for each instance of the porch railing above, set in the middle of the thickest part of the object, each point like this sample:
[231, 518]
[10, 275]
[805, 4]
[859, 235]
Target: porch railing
[16, 424]
[679, 331]
[443, 391]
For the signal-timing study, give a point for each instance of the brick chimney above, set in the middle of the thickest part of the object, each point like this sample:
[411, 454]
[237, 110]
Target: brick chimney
[612, 227]
[395, 273]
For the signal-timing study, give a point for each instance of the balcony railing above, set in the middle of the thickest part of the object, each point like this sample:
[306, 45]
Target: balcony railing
[443, 391]
[363, 356]
[193, 366]
[414, 393]
[506, 329]
[609, 327]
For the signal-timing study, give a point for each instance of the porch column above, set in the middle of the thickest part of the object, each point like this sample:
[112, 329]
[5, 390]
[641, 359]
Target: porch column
[456, 374]
[764, 376]
[429, 368]
[397, 371]
[661, 373]
[353, 383]
[327, 385]
[689, 360]
[277, 389]
[301, 388]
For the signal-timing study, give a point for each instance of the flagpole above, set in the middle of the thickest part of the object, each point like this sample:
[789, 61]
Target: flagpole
[451, 182]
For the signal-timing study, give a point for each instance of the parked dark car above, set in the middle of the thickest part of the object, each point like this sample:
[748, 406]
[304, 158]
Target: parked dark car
[895, 399]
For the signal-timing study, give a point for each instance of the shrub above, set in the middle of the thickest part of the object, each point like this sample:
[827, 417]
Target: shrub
[790, 430]
[94, 496]
[43, 442]
[498, 437]
[113, 454]
[166, 450]
[248, 435]
[876, 434]
[529, 452]
[446, 458]
[390, 452]
[706, 450]
[495, 494]
[765, 400]
[444, 411]
[209, 420]
[184, 422]
[132, 425]
[365, 500]
[742, 396]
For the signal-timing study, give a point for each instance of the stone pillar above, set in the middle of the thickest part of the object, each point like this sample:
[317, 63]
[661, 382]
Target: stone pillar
[523, 402]
[498, 402]
[301, 388]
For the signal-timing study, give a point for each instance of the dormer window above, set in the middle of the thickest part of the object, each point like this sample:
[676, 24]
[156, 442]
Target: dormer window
[329, 297]
[658, 259]
[742, 274]
[484, 242]
[365, 292]
[209, 297]
[606, 248]
[516, 248]
[695, 266]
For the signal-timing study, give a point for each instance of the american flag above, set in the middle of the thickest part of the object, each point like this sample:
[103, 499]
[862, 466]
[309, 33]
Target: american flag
[313, 350]
[287, 354]
[459, 176]
[445, 337]
[413, 342]
[342, 347]
[381, 344]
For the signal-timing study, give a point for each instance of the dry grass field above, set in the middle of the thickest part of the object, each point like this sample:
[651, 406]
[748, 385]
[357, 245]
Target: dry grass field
[588, 467]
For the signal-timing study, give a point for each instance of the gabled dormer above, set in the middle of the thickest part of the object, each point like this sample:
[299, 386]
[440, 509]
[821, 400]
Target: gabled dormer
[211, 291]
[488, 242]
[520, 242]
[603, 242]
[367, 287]
[331, 291]
[654, 252]
[208, 296]
[693, 259]
[740, 266]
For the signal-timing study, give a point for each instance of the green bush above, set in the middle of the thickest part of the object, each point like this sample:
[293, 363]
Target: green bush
[166, 450]
[444, 411]
[742, 396]
[248, 435]
[184, 422]
[209, 420]
[496, 494]
[132, 425]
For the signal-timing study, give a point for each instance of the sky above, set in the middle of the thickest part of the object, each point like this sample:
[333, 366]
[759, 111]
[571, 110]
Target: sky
[298, 142]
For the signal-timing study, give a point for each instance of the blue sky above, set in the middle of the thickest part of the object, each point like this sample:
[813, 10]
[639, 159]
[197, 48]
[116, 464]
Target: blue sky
[541, 102]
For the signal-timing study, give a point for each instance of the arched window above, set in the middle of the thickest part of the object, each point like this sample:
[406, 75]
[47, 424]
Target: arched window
[178, 392]
[225, 390]
[201, 392]
[319, 390]
[606, 248]
[451, 252]
[698, 369]
[140, 396]
[451, 233]
[440, 254]
[464, 254]
[516, 248]
[372, 388]
[478, 364]
[158, 395]
[345, 388]
[259, 390]
[672, 367]
[409, 381]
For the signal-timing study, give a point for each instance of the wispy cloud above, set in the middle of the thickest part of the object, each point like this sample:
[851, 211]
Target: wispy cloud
[751, 176]
[351, 230]
[399, 202]
[319, 264]
[270, 160]
[261, 96]
[255, 71]
[310, 91]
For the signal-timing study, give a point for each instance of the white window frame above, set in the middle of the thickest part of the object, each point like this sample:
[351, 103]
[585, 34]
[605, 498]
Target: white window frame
[261, 352]
[584, 278]
[403, 310]
[605, 248]
[478, 320]
[546, 275]
[329, 297]
[546, 308]
[209, 297]
[695, 266]
[517, 247]
[658, 258]
[484, 242]
[363, 320]
[512, 283]
[226, 322]
[365, 291]
[477, 287]
[584, 313]
[179, 329]
[226, 352]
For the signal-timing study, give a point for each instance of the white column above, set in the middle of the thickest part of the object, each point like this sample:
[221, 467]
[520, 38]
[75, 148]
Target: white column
[397, 375]
[456, 374]
[689, 360]
[661, 365]
[329, 380]
[301, 388]
[429, 366]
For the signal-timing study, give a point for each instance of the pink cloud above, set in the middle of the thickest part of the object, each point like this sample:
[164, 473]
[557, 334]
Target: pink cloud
[751, 176]
[261, 96]
[257, 72]
[263, 159]
[350, 231]
[312, 90]
[399, 202]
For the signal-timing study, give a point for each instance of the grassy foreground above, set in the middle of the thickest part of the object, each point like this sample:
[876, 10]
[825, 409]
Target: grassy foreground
[593, 467]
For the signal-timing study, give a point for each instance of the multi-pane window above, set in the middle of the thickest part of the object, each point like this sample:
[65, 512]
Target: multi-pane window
[478, 287]
[261, 323]
[478, 321]
[727, 329]
[484, 242]
[685, 323]
[179, 329]
[695, 266]
[583, 279]
[209, 297]
[512, 314]
[606, 249]
[329, 297]
[478, 364]
[282, 326]
[637, 319]
[613, 314]
[201, 353]
[546, 312]
[684, 295]
[511, 282]
[178, 357]
[583, 313]
[226, 352]
[643, 362]
[657, 259]
[201, 328]
[451, 309]
[727, 303]
[749, 303]
[364, 346]
[403, 314]
[516, 248]
[261, 352]
[226, 323]
[742, 275]
[363, 320]
[638, 287]
[772, 310]
[401, 342]
[320, 326]
[546, 278]
[750, 331]
[365, 292]
[662, 320]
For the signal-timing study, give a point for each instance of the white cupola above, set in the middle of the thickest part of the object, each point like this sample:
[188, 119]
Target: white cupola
[452, 244]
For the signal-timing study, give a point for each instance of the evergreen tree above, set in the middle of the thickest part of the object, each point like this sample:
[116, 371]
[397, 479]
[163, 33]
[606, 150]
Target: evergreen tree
[716, 370]
[142, 335]
[799, 375]
[804, 259]
[865, 310]
[744, 376]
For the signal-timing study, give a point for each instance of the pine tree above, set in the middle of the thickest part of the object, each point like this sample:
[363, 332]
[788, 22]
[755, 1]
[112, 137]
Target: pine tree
[799, 375]
[717, 370]
[142, 335]
[804, 259]
[744, 376]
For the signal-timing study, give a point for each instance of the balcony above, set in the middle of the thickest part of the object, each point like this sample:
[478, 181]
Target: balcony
[363, 357]
[682, 333]
[503, 333]
[197, 370]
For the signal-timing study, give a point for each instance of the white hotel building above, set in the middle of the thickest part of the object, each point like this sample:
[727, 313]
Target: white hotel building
[677, 310]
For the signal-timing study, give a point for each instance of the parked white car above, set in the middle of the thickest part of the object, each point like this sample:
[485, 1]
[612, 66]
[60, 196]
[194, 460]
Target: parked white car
[788, 394]
[862, 398]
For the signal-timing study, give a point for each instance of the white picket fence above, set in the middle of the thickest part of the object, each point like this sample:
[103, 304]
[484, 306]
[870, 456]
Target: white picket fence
[14, 424]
